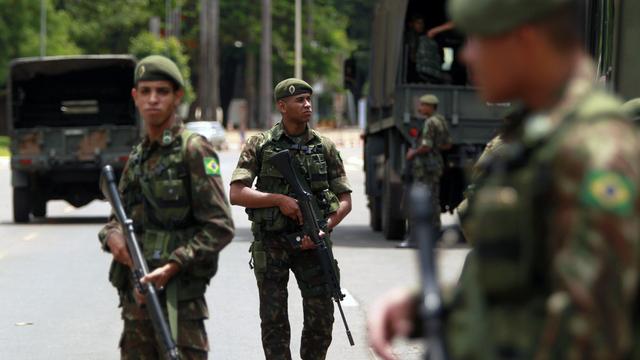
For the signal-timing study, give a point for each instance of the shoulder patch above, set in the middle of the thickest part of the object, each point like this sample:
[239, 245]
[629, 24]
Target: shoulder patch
[608, 191]
[211, 166]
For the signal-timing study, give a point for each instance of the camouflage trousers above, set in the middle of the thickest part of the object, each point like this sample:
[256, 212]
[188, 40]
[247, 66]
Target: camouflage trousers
[272, 279]
[138, 340]
[433, 182]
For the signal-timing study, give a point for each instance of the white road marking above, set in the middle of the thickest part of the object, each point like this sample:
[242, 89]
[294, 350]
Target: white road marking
[68, 209]
[30, 236]
[348, 301]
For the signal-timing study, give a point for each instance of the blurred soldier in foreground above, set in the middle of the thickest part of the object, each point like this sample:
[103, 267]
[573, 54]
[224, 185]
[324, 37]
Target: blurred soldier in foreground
[427, 160]
[632, 109]
[172, 190]
[554, 269]
[275, 216]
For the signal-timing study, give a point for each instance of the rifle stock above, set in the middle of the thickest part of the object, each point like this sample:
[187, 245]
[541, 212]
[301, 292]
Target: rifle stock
[140, 269]
[423, 234]
[311, 227]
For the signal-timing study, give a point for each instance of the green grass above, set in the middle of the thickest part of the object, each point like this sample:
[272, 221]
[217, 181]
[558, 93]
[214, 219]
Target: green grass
[4, 146]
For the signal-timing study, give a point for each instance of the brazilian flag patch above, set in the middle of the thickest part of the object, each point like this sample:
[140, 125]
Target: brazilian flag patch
[211, 166]
[609, 191]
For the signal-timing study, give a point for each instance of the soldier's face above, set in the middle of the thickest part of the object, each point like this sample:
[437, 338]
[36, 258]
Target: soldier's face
[426, 109]
[495, 66]
[156, 101]
[297, 108]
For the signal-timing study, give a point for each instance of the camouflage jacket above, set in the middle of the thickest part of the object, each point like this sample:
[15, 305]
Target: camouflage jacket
[554, 269]
[207, 225]
[429, 60]
[435, 135]
[259, 147]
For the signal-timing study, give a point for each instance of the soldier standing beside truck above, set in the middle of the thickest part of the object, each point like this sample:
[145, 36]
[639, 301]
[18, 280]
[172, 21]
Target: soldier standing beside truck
[428, 163]
[172, 190]
[275, 216]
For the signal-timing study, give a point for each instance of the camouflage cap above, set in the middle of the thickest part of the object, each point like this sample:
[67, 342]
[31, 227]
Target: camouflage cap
[429, 99]
[158, 67]
[632, 109]
[291, 87]
[493, 17]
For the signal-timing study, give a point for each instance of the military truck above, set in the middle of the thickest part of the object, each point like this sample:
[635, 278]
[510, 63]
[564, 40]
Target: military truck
[68, 116]
[394, 89]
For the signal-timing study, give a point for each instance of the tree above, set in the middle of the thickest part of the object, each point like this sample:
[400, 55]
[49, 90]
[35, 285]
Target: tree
[145, 44]
[20, 32]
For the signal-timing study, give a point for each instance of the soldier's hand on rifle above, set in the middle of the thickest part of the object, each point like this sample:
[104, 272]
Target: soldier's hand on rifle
[118, 247]
[411, 153]
[161, 276]
[289, 207]
[390, 317]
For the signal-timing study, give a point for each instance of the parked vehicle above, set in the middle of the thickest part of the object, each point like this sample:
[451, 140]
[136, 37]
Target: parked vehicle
[68, 117]
[212, 130]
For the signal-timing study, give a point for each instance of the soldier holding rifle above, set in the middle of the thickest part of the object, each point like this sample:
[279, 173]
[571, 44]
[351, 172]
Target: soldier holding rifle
[553, 273]
[279, 245]
[172, 190]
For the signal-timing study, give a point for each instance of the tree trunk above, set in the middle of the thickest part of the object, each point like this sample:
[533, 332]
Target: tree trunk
[266, 92]
[214, 58]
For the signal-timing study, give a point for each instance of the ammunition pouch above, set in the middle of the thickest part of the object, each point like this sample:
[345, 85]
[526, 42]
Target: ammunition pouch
[119, 276]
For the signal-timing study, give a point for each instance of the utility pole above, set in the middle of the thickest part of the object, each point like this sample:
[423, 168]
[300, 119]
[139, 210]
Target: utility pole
[203, 71]
[214, 66]
[298, 40]
[208, 79]
[43, 28]
[266, 92]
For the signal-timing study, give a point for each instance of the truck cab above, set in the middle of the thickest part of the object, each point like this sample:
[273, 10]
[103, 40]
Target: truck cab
[68, 117]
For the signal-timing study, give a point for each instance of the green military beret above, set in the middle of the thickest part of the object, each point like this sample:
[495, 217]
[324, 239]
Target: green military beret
[157, 67]
[632, 109]
[493, 17]
[429, 99]
[291, 87]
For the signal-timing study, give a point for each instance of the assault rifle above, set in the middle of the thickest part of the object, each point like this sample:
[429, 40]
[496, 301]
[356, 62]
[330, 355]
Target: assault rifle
[423, 234]
[140, 268]
[311, 227]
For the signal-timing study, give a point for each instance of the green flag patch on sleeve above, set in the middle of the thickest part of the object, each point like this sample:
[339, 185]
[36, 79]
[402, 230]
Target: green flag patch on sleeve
[211, 166]
[608, 191]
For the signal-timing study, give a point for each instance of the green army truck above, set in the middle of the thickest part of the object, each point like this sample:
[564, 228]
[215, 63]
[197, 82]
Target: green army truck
[611, 33]
[68, 117]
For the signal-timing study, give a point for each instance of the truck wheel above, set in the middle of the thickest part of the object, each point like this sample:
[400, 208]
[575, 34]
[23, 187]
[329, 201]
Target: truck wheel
[375, 213]
[39, 207]
[21, 204]
[393, 222]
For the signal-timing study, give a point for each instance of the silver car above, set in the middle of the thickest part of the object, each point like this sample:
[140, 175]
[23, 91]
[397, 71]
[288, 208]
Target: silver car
[212, 130]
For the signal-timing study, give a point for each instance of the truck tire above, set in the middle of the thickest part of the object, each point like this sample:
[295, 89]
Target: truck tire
[21, 204]
[393, 222]
[39, 206]
[375, 213]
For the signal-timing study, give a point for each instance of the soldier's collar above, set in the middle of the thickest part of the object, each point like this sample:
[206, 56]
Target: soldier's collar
[541, 124]
[168, 135]
[278, 131]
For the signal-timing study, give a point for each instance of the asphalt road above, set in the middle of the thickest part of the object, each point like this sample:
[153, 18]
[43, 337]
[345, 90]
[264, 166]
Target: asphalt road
[56, 302]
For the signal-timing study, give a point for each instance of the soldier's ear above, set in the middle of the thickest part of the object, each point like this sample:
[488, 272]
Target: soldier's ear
[134, 93]
[282, 106]
[179, 95]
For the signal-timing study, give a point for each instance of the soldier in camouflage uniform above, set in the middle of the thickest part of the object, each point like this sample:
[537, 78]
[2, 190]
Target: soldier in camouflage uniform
[274, 215]
[172, 190]
[554, 268]
[428, 163]
[632, 108]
